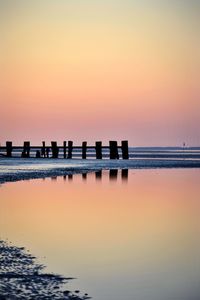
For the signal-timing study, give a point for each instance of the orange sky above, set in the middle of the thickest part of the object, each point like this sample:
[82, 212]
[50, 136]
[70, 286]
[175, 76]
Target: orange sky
[90, 70]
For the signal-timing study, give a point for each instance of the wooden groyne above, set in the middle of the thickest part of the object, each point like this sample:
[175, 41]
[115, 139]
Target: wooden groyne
[67, 150]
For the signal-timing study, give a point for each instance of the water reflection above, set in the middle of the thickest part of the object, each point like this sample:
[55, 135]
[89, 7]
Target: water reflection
[98, 175]
[124, 174]
[114, 174]
[84, 176]
[70, 177]
[138, 240]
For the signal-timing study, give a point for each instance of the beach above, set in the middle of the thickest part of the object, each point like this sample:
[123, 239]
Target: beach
[16, 168]
[99, 150]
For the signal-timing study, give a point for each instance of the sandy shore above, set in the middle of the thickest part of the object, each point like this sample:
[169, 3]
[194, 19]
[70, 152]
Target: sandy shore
[21, 277]
[14, 169]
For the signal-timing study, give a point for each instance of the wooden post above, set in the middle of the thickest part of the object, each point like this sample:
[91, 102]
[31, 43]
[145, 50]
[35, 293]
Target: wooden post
[43, 150]
[125, 154]
[9, 149]
[37, 155]
[84, 150]
[64, 149]
[47, 150]
[70, 148]
[26, 150]
[113, 150]
[98, 149]
[55, 149]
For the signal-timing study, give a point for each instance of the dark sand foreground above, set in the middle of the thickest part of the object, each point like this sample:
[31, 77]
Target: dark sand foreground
[22, 278]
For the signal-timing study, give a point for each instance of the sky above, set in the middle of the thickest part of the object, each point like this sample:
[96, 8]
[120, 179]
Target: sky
[100, 70]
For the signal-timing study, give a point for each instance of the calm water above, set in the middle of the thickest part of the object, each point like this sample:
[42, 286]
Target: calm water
[135, 238]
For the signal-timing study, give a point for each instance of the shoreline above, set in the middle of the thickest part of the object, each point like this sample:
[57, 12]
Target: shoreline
[17, 169]
[22, 277]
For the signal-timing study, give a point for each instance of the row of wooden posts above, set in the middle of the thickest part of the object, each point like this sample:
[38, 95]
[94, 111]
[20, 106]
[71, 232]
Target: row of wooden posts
[68, 149]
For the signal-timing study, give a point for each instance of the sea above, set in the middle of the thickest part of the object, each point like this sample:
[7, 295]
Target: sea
[122, 234]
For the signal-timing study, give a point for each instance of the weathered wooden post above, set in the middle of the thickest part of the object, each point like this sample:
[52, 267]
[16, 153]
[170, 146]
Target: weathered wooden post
[47, 151]
[84, 150]
[113, 174]
[9, 149]
[43, 150]
[37, 155]
[124, 146]
[64, 149]
[98, 149]
[70, 148]
[113, 150]
[55, 149]
[26, 150]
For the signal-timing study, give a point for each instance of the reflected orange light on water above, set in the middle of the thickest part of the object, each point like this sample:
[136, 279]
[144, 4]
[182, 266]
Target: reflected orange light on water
[94, 228]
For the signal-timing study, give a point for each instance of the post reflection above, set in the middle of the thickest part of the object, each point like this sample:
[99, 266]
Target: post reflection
[70, 177]
[114, 174]
[84, 176]
[98, 175]
[124, 174]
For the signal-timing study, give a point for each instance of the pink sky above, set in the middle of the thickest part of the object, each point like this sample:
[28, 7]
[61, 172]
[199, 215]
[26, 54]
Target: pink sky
[99, 71]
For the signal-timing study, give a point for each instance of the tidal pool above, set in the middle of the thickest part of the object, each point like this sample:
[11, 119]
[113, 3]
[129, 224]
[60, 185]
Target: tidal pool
[125, 235]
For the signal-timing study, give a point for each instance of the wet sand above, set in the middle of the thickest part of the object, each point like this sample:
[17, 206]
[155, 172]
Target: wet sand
[15, 169]
[21, 277]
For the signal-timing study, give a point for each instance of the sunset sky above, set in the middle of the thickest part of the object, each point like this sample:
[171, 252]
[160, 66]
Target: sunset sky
[100, 70]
